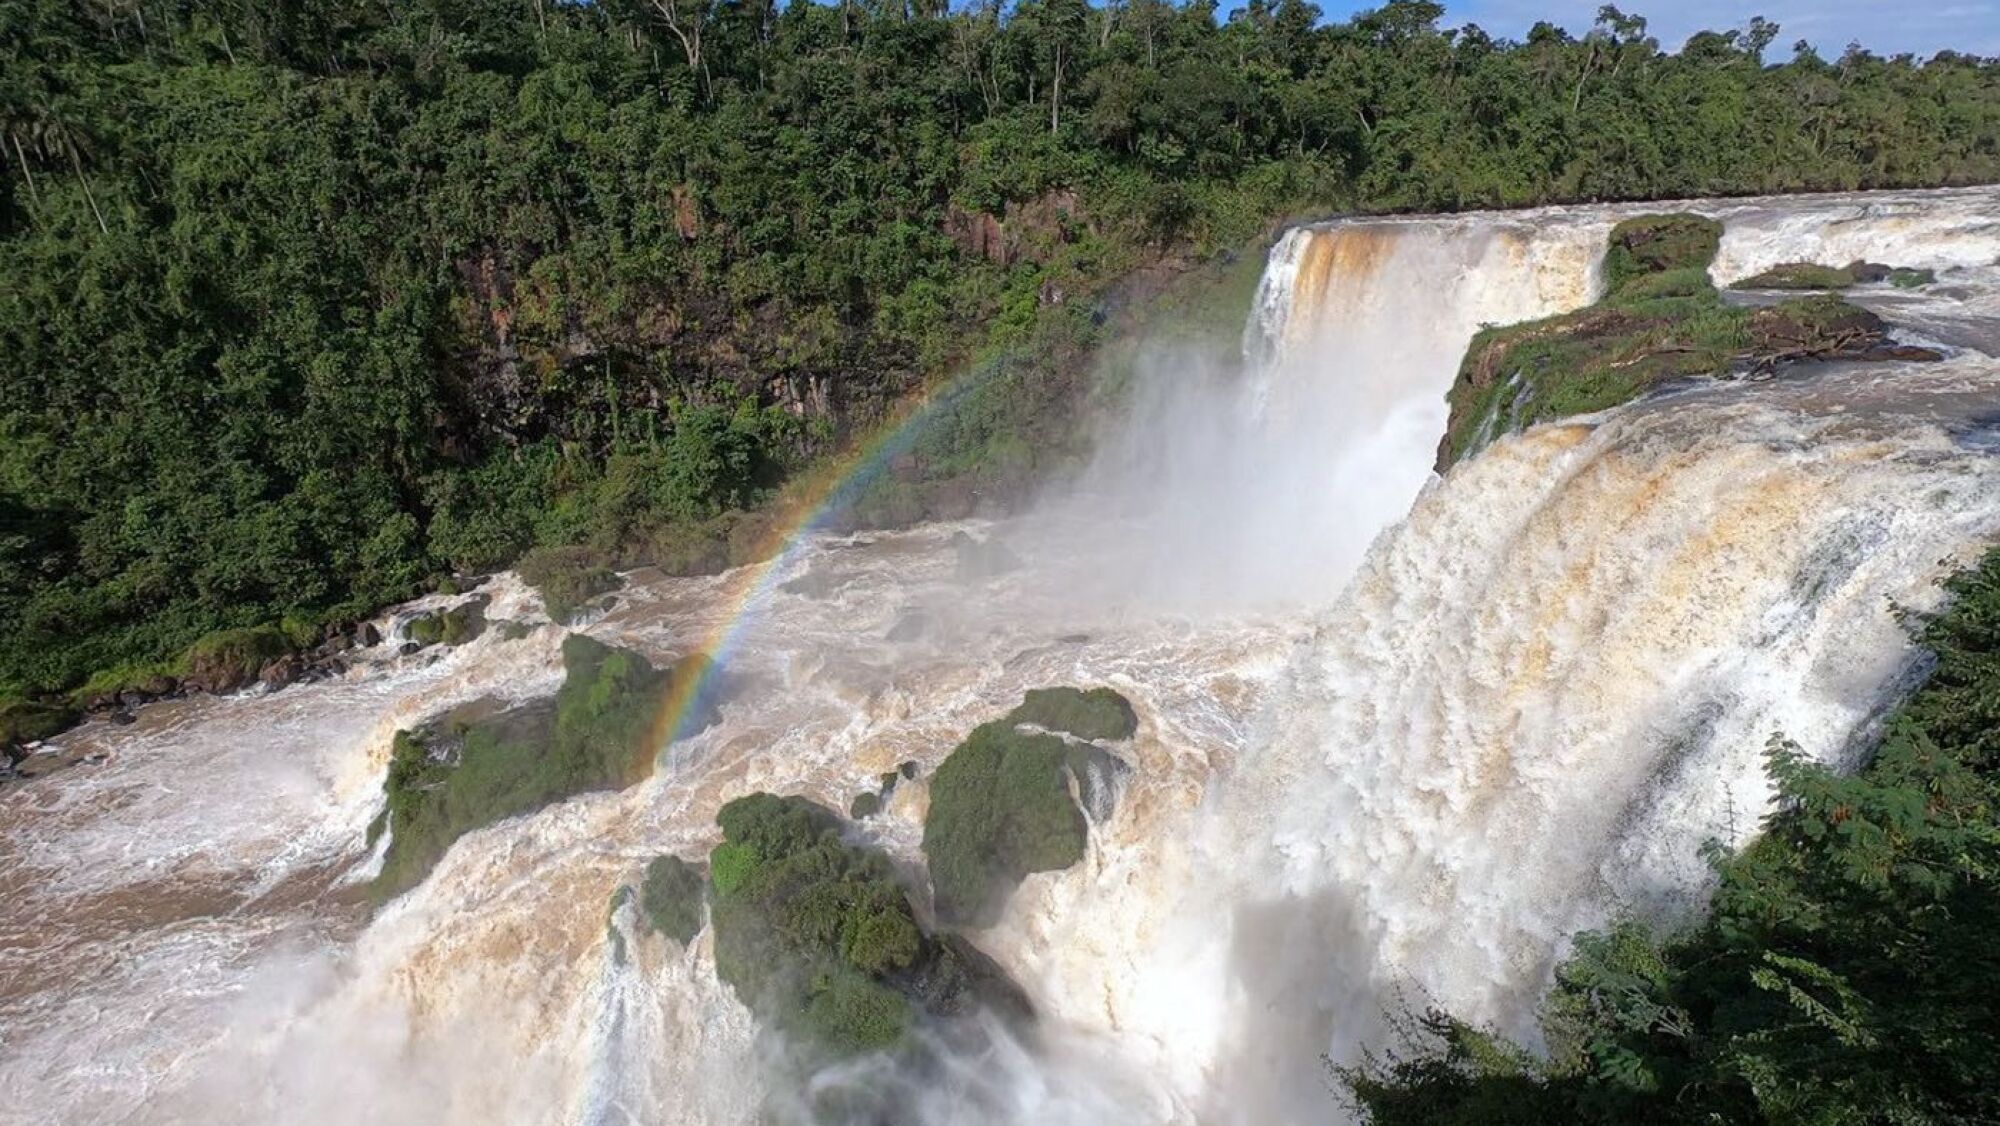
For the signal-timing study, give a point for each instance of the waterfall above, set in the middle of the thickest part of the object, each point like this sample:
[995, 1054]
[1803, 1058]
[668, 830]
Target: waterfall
[1401, 735]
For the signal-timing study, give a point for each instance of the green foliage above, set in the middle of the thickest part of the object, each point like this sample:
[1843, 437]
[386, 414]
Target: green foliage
[1000, 809]
[1000, 803]
[232, 658]
[475, 769]
[670, 897]
[1660, 320]
[566, 578]
[1097, 714]
[1903, 277]
[1842, 974]
[1657, 244]
[819, 939]
[300, 307]
[24, 721]
[1799, 275]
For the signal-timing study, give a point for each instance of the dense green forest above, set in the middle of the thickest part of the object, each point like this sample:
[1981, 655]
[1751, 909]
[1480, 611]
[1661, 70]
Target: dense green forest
[303, 305]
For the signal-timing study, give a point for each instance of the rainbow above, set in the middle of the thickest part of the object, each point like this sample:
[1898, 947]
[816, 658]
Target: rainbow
[826, 492]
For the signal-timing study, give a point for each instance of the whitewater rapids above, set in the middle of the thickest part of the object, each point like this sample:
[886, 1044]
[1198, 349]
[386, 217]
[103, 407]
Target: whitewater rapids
[1400, 736]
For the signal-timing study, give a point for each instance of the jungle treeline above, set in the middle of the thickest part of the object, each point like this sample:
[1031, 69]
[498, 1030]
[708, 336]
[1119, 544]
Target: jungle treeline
[305, 305]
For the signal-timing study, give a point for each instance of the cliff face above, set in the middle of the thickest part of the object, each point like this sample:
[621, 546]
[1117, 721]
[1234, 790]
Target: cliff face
[539, 346]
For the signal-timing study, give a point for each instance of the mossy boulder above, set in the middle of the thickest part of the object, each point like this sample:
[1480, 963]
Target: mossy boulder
[866, 804]
[232, 659]
[1812, 276]
[1096, 714]
[566, 578]
[1657, 244]
[454, 626]
[28, 721]
[819, 939]
[1799, 275]
[481, 765]
[1001, 804]
[671, 897]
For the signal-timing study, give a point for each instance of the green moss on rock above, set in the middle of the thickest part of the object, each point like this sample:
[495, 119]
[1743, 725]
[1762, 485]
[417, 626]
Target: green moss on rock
[866, 804]
[1001, 805]
[424, 629]
[474, 769]
[1660, 321]
[454, 626]
[1098, 714]
[24, 721]
[670, 898]
[1799, 275]
[231, 659]
[819, 938]
[566, 578]
[1657, 244]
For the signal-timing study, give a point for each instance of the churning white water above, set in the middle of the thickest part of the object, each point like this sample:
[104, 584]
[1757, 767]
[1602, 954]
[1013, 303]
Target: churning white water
[1400, 736]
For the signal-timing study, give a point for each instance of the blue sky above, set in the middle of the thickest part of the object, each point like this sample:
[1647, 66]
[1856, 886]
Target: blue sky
[1883, 26]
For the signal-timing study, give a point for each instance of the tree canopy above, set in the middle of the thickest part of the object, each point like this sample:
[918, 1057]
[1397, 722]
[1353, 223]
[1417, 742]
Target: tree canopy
[303, 303]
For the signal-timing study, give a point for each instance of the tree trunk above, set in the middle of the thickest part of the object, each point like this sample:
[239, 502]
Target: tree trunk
[27, 173]
[1055, 94]
[77, 163]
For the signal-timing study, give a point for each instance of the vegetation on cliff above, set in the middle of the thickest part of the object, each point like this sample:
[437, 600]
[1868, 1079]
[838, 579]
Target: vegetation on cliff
[1844, 972]
[1001, 805]
[300, 304]
[818, 938]
[473, 770]
[1660, 319]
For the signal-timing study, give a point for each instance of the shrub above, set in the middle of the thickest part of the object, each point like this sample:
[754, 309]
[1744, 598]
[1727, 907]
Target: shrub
[670, 897]
[1099, 714]
[1655, 244]
[566, 578]
[473, 770]
[24, 721]
[819, 938]
[1000, 809]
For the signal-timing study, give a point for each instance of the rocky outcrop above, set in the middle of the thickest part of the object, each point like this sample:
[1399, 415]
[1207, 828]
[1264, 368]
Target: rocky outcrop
[818, 936]
[1004, 803]
[1660, 320]
[1024, 230]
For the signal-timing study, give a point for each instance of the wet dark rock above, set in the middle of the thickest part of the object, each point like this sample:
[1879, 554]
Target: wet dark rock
[408, 648]
[283, 672]
[122, 718]
[907, 768]
[366, 636]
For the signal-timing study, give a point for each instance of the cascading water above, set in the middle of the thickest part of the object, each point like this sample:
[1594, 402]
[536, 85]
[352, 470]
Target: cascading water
[1380, 757]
